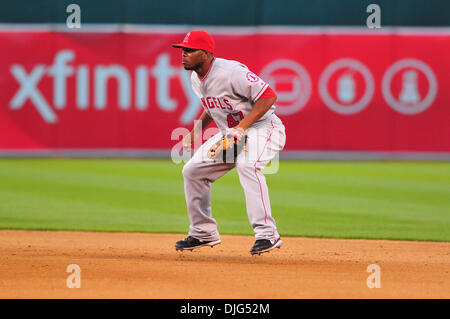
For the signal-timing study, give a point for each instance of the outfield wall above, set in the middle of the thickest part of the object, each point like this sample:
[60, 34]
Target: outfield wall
[109, 87]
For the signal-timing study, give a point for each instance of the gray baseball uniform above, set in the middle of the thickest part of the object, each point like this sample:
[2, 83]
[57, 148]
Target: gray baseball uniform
[228, 92]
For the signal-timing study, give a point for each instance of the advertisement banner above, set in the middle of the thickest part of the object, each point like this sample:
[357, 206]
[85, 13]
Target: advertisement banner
[337, 91]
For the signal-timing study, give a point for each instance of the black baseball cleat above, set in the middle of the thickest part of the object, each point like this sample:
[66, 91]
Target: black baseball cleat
[265, 245]
[191, 243]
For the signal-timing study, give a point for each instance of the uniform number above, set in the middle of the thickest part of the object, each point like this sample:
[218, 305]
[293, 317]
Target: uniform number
[234, 119]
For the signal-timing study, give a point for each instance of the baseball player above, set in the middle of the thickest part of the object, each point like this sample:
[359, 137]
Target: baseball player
[241, 105]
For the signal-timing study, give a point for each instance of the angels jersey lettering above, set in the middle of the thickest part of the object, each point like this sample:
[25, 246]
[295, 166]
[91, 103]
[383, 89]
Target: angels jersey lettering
[228, 93]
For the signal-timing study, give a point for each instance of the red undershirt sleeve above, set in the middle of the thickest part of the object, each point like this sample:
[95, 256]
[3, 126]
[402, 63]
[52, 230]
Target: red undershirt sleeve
[268, 93]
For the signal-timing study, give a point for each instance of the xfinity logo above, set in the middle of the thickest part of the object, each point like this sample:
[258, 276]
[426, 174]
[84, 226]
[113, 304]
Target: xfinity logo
[63, 68]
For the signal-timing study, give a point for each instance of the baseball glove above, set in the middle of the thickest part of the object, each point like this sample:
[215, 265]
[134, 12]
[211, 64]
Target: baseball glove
[229, 147]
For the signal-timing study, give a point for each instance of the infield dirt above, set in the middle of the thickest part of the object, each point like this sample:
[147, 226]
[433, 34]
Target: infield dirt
[135, 265]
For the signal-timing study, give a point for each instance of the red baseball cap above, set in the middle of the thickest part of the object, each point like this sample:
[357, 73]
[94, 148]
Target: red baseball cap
[197, 39]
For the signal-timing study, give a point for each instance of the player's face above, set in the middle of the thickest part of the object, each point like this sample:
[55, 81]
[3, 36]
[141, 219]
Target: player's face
[193, 59]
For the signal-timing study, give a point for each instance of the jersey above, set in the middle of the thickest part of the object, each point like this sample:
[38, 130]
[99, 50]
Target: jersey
[228, 93]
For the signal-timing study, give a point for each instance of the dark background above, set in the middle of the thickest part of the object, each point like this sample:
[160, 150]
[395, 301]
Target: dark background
[231, 12]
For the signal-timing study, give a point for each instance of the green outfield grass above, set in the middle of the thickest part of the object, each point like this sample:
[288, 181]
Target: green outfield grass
[384, 200]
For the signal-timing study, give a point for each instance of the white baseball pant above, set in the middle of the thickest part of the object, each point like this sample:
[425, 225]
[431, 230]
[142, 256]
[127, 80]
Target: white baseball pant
[264, 143]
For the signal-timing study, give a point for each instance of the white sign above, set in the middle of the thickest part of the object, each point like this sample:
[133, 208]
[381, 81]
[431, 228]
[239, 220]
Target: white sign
[64, 67]
[409, 100]
[346, 87]
[294, 74]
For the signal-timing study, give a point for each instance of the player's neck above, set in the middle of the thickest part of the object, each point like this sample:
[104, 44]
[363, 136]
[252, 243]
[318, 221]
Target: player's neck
[204, 69]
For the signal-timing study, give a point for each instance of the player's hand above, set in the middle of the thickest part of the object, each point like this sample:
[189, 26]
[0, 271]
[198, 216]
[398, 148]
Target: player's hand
[237, 132]
[187, 142]
[229, 147]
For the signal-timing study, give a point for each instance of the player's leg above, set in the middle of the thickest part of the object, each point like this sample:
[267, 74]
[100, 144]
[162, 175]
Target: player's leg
[199, 172]
[257, 202]
[264, 145]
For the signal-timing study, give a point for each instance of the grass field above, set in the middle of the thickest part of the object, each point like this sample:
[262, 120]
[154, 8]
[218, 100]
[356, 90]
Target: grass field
[375, 200]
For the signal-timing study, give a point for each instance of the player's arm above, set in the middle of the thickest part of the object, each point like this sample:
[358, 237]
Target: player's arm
[199, 126]
[260, 108]
[249, 85]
